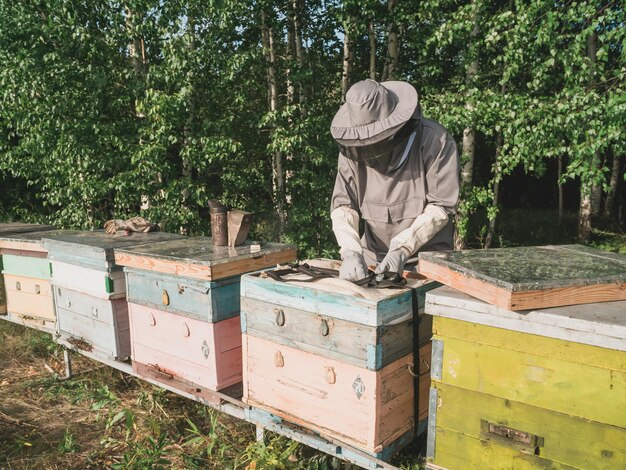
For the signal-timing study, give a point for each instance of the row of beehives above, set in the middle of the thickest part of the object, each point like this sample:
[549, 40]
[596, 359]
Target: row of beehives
[336, 362]
[544, 387]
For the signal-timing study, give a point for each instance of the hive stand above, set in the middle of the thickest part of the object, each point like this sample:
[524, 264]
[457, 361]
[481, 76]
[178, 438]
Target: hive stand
[226, 402]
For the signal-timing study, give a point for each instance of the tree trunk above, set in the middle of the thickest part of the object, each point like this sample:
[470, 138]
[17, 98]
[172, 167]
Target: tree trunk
[613, 186]
[347, 65]
[297, 31]
[371, 33]
[469, 135]
[278, 178]
[191, 117]
[584, 215]
[136, 50]
[596, 188]
[496, 193]
[560, 188]
[391, 62]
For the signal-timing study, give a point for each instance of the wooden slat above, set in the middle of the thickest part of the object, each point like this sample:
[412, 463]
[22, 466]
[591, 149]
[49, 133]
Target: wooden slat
[568, 296]
[176, 384]
[551, 348]
[601, 324]
[566, 439]
[24, 249]
[477, 288]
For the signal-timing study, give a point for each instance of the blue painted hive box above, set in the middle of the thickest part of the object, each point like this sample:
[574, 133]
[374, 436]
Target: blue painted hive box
[27, 272]
[338, 359]
[188, 291]
[90, 290]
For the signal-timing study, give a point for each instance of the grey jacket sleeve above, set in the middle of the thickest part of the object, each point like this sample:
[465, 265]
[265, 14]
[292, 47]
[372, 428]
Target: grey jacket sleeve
[345, 191]
[442, 174]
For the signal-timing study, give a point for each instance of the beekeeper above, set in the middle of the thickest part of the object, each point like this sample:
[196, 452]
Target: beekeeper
[397, 171]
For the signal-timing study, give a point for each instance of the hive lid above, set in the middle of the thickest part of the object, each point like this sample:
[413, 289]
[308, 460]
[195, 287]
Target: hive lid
[337, 298]
[27, 241]
[98, 245]
[17, 227]
[196, 257]
[598, 324]
[531, 277]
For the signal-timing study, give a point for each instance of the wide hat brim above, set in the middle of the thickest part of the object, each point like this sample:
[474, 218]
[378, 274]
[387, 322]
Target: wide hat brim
[345, 133]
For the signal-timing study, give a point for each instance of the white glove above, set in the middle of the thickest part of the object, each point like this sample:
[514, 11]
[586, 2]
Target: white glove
[393, 262]
[353, 267]
[425, 227]
[346, 229]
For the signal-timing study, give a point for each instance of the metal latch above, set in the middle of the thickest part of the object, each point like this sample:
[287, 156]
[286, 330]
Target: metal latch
[524, 441]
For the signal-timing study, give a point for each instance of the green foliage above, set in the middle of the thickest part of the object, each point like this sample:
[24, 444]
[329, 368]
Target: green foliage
[68, 444]
[109, 110]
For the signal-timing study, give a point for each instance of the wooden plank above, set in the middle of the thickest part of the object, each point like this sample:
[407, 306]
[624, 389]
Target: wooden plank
[29, 253]
[176, 384]
[203, 272]
[197, 258]
[601, 324]
[577, 389]
[551, 348]
[212, 301]
[458, 451]
[328, 396]
[341, 450]
[566, 439]
[26, 266]
[28, 242]
[531, 277]
[17, 227]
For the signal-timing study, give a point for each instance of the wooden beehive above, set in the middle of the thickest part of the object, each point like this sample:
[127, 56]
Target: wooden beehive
[544, 388]
[337, 358]
[27, 296]
[531, 277]
[184, 297]
[90, 291]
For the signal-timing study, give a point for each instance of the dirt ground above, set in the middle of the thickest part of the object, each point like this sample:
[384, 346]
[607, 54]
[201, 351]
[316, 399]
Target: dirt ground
[103, 418]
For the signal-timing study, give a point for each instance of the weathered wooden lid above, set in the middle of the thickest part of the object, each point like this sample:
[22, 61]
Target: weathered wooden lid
[98, 244]
[27, 241]
[531, 277]
[198, 258]
[17, 227]
[599, 324]
[337, 298]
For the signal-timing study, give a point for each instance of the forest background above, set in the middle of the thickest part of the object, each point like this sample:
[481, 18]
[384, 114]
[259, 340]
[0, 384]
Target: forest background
[110, 109]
